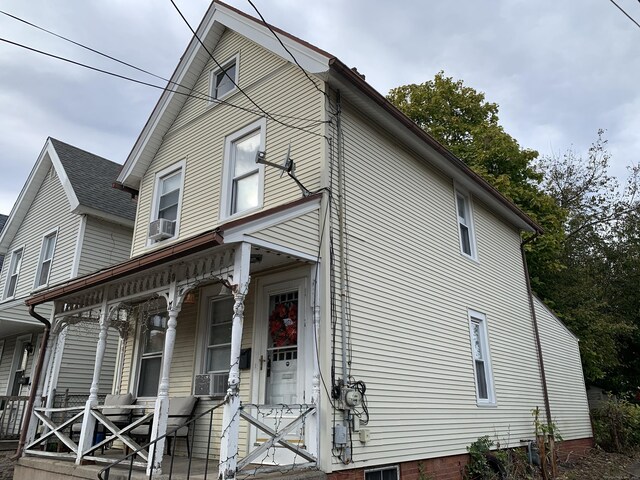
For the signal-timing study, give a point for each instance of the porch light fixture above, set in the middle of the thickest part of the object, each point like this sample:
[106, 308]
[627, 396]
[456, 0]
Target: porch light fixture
[28, 347]
[190, 298]
[255, 258]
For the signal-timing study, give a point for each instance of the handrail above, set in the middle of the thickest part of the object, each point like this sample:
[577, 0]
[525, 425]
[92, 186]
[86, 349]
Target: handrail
[144, 447]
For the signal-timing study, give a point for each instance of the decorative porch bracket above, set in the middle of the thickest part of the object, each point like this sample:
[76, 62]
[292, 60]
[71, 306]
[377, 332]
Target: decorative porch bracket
[276, 437]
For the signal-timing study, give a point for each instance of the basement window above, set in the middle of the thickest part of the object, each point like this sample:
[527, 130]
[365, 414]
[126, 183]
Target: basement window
[384, 473]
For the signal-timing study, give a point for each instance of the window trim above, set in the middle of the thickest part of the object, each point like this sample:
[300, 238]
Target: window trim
[477, 317]
[213, 73]
[54, 233]
[155, 201]
[228, 167]
[382, 469]
[140, 353]
[458, 192]
[10, 265]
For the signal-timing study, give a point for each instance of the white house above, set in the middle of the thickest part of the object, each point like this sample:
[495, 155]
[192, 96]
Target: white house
[369, 308]
[68, 221]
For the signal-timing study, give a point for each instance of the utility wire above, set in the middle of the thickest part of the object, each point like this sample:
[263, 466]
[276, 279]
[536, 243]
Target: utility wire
[204, 96]
[287, 50]
[626, 14]
[233, 80]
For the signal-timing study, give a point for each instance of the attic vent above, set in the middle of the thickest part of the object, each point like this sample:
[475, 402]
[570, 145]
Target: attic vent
[161, 228]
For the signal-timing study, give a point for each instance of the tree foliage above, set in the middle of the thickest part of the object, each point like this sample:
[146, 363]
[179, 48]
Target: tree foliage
[588, 261]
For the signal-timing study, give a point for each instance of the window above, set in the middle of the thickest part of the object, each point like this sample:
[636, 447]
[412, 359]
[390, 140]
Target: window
[481, 360]
[168, 197]
[465, 225]
[154, 329]
[14, 271]
[244, 178]
[385, 473]
[225, 79]
[46, 259]
[220, 320]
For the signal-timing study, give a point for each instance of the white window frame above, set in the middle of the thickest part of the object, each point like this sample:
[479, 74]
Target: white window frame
[140, 352]
[155, 202]
[51, 233]
[213, 74]
[10, 266]
[383, 469]
[481, 319]
[226, 200]
[468, 223]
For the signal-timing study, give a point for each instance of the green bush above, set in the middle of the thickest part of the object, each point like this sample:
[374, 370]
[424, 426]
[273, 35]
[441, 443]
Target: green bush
[616, 425]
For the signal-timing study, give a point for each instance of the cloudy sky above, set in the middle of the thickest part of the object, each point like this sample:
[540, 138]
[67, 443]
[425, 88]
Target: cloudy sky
[558, 70]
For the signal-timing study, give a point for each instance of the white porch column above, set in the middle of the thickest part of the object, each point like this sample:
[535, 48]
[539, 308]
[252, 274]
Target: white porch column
[88, 421]
[161, 410]
[231, 414]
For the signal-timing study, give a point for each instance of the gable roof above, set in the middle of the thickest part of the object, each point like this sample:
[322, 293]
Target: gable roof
[87, 181]
[316, 61]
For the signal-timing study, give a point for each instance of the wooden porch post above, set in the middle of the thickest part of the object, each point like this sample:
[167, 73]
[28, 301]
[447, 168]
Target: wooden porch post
[161, 410]
[88, 421]
[231, 414]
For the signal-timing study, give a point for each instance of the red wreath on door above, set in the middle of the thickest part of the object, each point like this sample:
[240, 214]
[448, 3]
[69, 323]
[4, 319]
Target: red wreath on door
[283, 324]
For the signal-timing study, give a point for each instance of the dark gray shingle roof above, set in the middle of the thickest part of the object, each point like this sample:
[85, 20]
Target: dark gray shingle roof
[3, 220]
[91, 177]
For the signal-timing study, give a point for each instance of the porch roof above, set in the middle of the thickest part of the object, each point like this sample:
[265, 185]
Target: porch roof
[157, 258]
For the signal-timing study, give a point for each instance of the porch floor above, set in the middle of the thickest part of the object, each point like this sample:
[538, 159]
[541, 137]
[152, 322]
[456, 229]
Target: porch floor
[35, 468]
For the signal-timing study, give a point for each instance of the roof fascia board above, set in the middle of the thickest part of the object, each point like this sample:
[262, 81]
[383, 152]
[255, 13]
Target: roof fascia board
[62, 176]
[30, 190]
[312, 61]
[418, 141]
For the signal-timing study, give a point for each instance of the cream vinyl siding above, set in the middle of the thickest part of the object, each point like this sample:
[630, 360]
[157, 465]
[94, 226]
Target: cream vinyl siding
[300, 234]
[18, 311]
[411, 290]
[78, 358]
[199, 133]
[49, 209]
[565, 381]
[104, 244]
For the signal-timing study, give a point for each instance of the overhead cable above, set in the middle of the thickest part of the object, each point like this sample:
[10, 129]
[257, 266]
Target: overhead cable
[627, 15]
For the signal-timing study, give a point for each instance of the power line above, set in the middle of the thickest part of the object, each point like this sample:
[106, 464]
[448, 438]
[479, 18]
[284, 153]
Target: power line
[626, 14]
[205, 96]
[197, 96]
[268, 115]
[286, 49]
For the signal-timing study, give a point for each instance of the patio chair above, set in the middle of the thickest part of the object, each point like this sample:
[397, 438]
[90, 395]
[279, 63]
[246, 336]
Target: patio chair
[120, 417]
[181, 410]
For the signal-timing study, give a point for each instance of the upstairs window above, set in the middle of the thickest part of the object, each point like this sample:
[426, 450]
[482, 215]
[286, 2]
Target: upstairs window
[46, 259]
[481, 359]
[167, 200]
[14, 272]
[225, 79]
[154, 329]
[244, 178]
[465, 225]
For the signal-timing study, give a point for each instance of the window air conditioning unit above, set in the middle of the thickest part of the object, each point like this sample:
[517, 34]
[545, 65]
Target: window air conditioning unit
[212, 384]
[161, 228]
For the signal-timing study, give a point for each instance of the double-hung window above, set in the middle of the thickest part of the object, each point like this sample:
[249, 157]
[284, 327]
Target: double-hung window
[481, 360]
[14, 272]
[167, 200]
[46, 259]
[465, 225]
[244, 178]
[225, 79]
[154, 329]
[220, 319]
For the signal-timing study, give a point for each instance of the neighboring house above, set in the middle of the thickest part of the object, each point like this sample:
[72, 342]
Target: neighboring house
[3, 220]
[398, 274]
[67, 221]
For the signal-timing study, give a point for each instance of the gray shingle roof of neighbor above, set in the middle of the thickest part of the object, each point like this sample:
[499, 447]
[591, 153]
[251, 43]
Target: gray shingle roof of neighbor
[3, 220]
[92, 177]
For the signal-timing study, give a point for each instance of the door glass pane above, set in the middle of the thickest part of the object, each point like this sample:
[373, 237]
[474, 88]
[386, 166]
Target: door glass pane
[149, 376]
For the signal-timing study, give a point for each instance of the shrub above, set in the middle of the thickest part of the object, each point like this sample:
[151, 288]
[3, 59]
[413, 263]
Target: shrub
[616, 425]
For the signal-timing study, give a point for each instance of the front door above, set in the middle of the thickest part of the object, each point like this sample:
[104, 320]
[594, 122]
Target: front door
[280, 334]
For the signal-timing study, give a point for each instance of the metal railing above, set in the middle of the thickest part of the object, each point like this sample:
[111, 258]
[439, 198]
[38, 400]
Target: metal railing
[12, 411]
[128, 462]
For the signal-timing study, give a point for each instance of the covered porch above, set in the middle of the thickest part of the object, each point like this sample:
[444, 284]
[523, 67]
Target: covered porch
[216, 366]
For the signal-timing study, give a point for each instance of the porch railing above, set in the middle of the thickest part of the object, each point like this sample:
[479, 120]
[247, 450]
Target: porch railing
[12, 411]
[200, 466]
